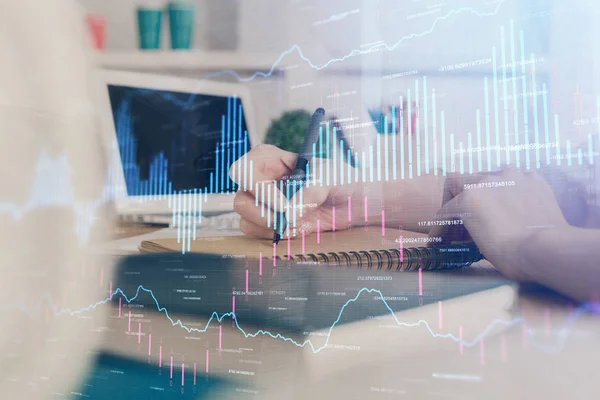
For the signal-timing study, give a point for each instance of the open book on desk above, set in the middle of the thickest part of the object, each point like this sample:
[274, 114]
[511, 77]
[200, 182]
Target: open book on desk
[391, 249]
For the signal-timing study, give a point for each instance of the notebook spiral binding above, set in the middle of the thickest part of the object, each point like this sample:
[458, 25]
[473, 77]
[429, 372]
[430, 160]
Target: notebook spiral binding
[406, 259]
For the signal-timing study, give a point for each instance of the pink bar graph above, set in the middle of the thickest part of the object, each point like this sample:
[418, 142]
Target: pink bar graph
[246, 281]
[220, 336]
[139, 332]
[129, 322]
[401, 250]
[120, 307]
[366, 208]
[182, 374]
[274, 254]
[420, 282]
[349, 209]
[481, 352]
[207, 361]
[303, 241]
[260, 260]
[439, 314]
[318, 231]
[194, 374]
[171, 368]
[382, 223]
[233, 306]
[503, 348]
[460, 339]
[149, 344]
[289, 250]
[333, 216]
[160, 356]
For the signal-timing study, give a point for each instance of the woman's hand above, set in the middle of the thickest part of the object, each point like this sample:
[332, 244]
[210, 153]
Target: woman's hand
[503, 213]
[322, 206]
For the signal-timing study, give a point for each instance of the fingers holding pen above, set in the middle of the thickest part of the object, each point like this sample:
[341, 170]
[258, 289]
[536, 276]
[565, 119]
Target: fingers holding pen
[258, 231]
[259, 208]
[259, 212]
[260, 203]
[257, 219]
[267, 163]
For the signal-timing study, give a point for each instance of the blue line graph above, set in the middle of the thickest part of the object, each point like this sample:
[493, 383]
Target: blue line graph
[357, 52]
[215, 316]
[58, 171]
[563, 336]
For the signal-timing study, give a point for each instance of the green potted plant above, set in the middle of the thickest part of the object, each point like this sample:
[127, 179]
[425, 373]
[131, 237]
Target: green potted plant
[287, 132]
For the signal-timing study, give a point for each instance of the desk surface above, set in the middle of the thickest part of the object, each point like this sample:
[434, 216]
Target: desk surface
[516, 343]
[123, 230]
[507, 342]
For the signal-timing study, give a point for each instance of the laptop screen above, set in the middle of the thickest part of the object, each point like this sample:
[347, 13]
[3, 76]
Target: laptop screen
[172, 141]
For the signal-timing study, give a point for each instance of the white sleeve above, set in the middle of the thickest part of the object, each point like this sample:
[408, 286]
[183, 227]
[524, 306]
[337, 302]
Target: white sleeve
[51, 198]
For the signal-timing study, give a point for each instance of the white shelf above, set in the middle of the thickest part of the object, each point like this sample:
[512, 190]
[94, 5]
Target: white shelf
[186, 60]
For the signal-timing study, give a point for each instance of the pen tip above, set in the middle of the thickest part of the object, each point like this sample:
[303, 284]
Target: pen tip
[276, 238]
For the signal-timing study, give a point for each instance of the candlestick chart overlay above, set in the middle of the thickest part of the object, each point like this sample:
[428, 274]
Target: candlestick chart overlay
[146, 325]
[454, 89]
[515, 126]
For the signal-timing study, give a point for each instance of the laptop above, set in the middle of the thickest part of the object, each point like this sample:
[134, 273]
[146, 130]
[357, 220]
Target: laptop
[168, 136]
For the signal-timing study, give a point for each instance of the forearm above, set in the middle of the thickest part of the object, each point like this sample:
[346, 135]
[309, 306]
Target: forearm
[406, 204]
[566, 261]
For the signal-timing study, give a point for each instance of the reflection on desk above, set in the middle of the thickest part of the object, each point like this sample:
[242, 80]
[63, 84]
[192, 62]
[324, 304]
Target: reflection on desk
[504, 342]
[497, 344]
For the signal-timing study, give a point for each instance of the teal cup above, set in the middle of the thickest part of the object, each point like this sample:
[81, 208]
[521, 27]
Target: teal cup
[149, 26]
[181, 24]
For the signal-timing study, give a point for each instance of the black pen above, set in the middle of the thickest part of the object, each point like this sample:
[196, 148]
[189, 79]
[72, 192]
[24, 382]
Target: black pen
[299, 172]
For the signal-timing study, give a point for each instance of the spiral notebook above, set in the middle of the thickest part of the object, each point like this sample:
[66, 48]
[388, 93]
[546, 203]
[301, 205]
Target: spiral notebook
[359, 247]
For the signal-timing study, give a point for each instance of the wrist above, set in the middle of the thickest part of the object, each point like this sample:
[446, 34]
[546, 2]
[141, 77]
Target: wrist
[539, 250]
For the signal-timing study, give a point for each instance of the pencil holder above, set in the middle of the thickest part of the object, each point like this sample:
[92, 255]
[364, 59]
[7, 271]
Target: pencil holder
[149, 26]
[181, 24]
